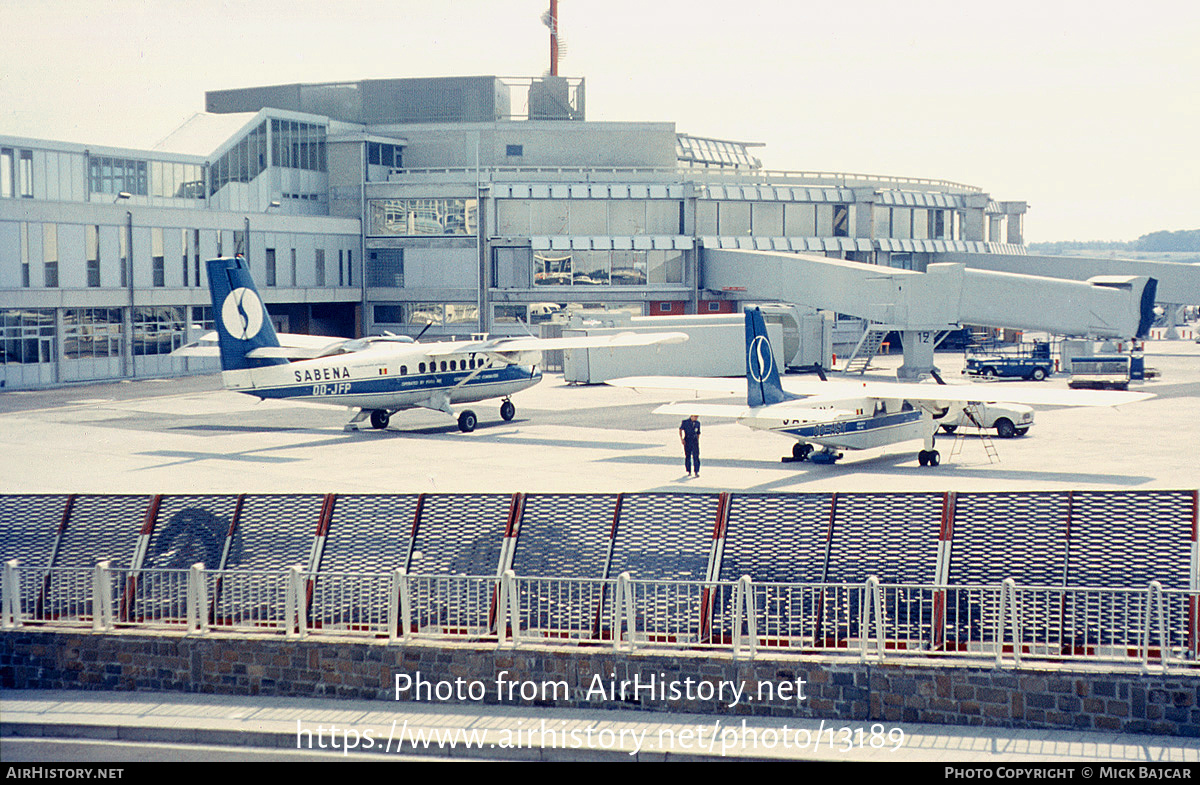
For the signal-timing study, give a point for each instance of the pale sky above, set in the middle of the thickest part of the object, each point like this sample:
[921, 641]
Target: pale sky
[1089, 111]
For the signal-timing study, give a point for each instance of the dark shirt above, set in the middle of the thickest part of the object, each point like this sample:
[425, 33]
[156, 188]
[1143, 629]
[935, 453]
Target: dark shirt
[691, 430]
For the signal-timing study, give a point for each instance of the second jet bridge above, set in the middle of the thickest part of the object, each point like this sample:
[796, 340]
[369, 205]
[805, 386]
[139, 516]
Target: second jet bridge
[945, 297]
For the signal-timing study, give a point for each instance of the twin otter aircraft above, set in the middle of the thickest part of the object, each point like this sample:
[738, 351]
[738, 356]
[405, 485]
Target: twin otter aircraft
[848, 415]
[377, 375]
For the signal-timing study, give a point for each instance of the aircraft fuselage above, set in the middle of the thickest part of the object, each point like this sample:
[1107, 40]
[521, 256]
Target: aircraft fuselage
[387, 378]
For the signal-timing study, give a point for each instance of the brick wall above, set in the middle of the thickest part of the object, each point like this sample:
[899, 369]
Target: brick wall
[960, 694]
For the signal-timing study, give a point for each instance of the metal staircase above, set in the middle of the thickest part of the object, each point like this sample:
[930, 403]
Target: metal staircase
[866, 349]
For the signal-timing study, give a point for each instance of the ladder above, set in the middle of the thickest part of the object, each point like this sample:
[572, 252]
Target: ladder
[989, 446]
[866, 349]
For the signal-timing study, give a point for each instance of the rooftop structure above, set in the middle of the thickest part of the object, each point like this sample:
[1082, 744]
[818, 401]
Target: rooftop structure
[472, 203]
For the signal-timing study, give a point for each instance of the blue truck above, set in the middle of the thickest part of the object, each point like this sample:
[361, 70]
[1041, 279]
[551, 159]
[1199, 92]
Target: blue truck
[1023, 362]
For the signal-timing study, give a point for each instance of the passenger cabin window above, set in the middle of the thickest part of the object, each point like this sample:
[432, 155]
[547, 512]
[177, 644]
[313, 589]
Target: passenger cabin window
[443, 365]
[404, 370]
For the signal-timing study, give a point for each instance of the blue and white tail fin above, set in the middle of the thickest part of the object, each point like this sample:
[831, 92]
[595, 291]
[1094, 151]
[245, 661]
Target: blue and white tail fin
[762, 372]
[240, 316]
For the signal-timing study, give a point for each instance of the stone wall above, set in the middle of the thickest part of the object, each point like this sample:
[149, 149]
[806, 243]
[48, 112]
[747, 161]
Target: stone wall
[958, 693]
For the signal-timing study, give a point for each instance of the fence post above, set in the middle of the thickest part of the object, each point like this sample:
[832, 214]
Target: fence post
[511, 609]
[10, 614]
[743, 608]
[393, 605]
[873, 601]
[102, 616]
[1154, 601]
[624, 605]
[405, 605]
[197, 600]
[1008, 604]
[294, 609]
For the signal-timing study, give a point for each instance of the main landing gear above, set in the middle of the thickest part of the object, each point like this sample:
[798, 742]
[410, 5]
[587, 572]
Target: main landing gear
[380, 418]
[467, 421]
[804, 452]
[929, 457]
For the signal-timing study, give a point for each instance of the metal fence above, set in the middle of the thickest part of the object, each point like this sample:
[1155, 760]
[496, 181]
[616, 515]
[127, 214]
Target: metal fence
[1151, 627]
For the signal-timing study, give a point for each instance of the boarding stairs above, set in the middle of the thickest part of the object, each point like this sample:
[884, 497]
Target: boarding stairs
[989, 446]
[866, 349]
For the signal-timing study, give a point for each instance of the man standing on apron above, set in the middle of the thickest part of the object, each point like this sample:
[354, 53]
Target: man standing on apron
[689, 436]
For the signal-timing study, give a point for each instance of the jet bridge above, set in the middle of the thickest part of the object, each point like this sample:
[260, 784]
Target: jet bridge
[946, 296]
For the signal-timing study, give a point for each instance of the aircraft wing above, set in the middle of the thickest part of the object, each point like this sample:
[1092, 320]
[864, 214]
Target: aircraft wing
[532, 344]
[699, 384]
[965, 393]
[795, 411]
[292, 346]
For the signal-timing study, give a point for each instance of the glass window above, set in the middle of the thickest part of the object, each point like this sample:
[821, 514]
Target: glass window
[123, 252]
[629, 268]
[50, 255]
[158, 330]
[417, 217]
[841, 220]
[26, 335]
[7, 171]
[92, 240]
[158, 267]
[25, 255]
[319, 267]
[551, 268]
[92, 332]
[591, 268]
[270, 262]
[25, 175]
[665, 266]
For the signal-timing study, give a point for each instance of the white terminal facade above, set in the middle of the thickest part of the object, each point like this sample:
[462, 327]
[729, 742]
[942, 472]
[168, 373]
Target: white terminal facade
[473, 203]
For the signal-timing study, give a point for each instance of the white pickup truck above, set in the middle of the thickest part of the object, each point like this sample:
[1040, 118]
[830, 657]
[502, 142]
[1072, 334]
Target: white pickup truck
[1009, 419]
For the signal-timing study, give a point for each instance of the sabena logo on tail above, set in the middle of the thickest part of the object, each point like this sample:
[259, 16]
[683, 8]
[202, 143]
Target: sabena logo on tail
[242, 314]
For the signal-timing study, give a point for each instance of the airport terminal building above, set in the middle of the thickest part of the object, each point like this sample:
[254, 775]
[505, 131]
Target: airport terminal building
[468, 204]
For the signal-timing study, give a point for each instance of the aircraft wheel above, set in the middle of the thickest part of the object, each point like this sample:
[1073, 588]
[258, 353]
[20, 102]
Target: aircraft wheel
[467, 421]
[801, 451]
[923, 458]
[1005, 429]
[379, 419]
[1038, 374]
[507, 411]
[949, 428]
[934, 457]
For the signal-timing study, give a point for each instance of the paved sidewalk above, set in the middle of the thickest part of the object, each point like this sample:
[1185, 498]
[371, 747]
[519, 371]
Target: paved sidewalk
[372, 728]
